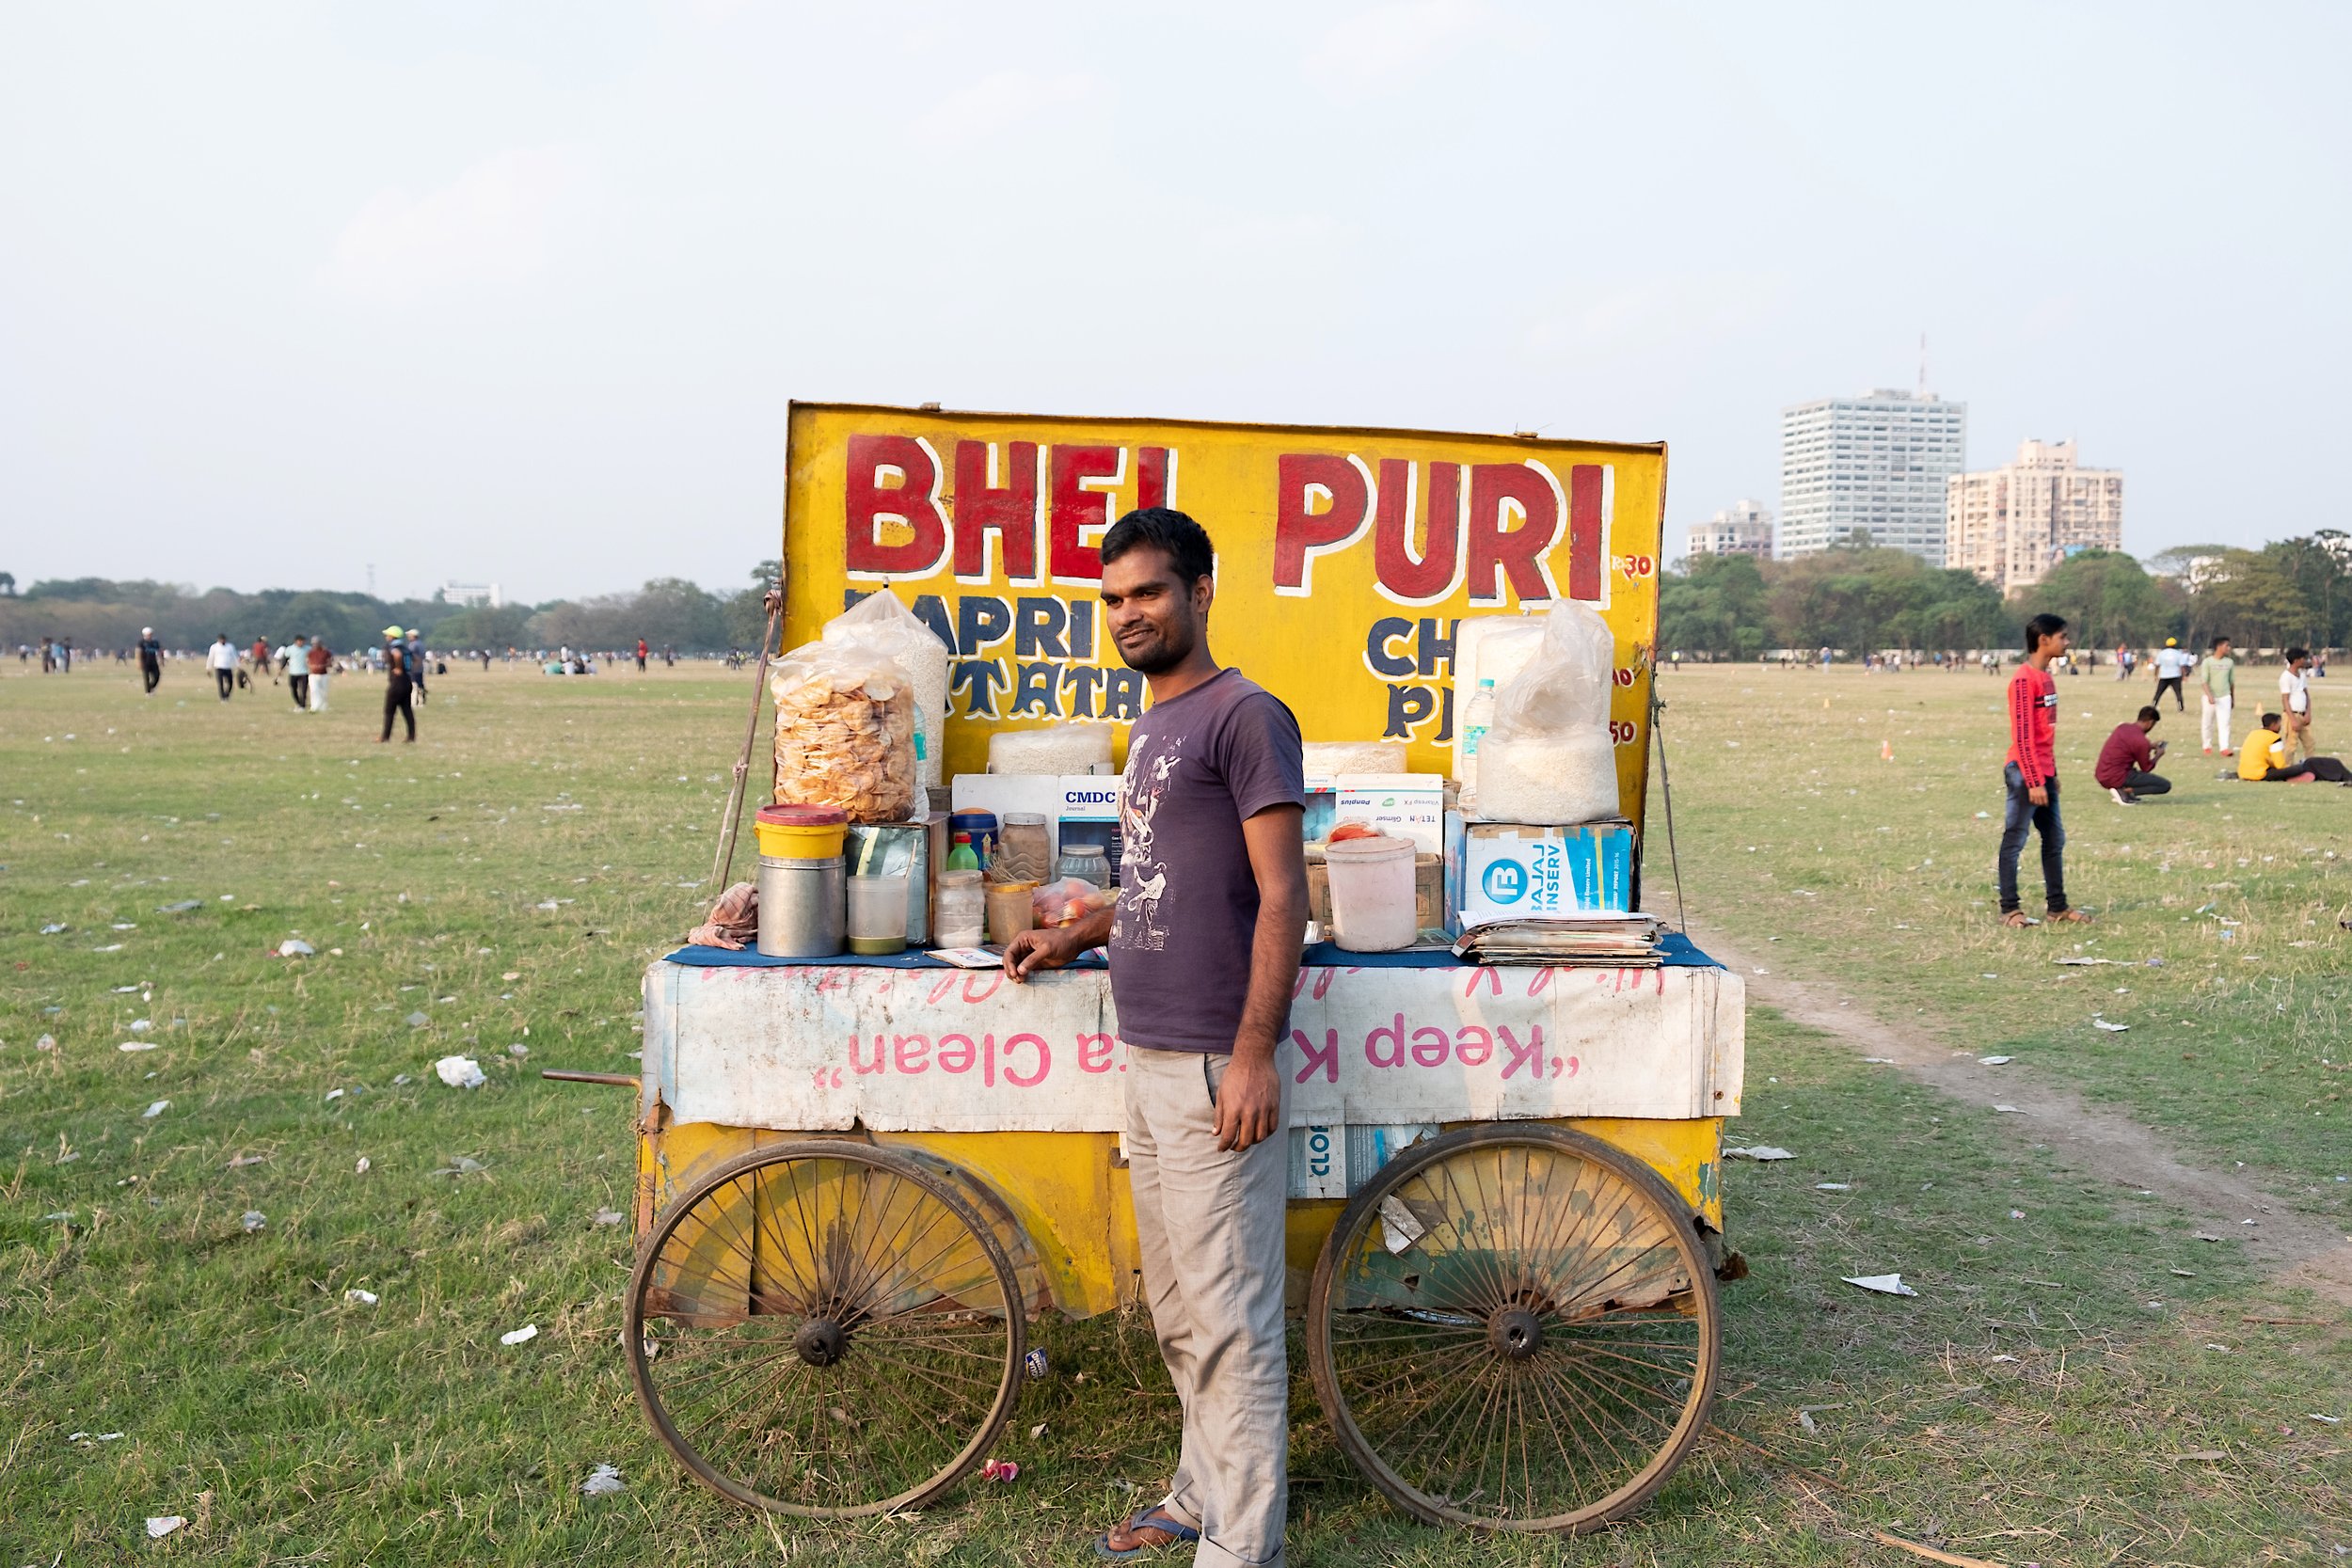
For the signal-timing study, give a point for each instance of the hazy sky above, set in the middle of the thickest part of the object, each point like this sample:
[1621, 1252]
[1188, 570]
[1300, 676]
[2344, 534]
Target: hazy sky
[518, 292]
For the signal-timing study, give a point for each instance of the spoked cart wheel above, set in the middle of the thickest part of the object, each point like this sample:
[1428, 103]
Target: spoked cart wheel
[825, 1328]
[1515, 1327]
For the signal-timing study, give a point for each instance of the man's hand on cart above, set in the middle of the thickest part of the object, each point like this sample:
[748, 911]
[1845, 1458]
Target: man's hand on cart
[1050, 947]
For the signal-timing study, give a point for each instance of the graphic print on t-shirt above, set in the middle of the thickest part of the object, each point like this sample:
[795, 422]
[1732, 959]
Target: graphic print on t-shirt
[1143, 877]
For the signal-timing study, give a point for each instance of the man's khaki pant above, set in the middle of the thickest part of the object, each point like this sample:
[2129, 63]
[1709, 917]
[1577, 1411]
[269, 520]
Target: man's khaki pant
[1211, 1228]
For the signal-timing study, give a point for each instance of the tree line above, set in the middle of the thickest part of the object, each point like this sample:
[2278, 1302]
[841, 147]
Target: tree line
[101, 612]
[1861, 597]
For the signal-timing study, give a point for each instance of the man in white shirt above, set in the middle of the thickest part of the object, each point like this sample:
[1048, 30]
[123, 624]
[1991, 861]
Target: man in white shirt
[294, 658]
[221, 660]
[2172, 665]
[2295, 704]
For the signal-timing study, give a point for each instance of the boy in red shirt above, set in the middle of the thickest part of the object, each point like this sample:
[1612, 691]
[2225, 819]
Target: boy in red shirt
[2031, 774]
[2126, 767]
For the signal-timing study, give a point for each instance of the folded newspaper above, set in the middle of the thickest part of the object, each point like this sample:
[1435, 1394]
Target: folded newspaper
[1602, 942]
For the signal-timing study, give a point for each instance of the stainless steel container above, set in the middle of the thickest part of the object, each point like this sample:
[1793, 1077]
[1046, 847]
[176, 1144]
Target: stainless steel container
[802, 905]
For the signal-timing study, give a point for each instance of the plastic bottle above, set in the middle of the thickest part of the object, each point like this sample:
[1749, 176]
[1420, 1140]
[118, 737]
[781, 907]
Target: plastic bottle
[1476, 719]
[963, 857]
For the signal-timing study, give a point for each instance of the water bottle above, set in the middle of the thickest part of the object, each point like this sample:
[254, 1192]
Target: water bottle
[1476, 719]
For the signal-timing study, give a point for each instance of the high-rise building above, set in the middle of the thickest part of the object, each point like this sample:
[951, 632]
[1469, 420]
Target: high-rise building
[1873, 465]
[1743, 528]
[2011, 525]
[472, 595]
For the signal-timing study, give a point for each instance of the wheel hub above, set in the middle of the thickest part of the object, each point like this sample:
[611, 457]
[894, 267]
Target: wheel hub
[1515, 1333]
[820, 1341]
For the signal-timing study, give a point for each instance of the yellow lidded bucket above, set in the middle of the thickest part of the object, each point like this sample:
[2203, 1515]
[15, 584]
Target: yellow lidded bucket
[800, 832]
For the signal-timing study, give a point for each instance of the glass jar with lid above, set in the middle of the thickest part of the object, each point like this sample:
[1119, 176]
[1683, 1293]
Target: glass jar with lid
[1024, 852]
[960, 914]
[1085, 861]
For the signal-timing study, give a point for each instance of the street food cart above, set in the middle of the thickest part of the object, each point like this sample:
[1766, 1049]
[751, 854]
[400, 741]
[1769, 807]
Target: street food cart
[861, 1180]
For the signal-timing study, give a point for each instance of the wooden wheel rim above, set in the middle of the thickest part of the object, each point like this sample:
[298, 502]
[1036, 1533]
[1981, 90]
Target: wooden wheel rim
[816, 1339]
[1671, 1244]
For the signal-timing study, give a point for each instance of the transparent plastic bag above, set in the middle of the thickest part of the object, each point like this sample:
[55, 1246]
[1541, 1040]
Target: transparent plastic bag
[1073, 746]
[882, 623]
[1549, 757]
[845, 731]
[1070, 900]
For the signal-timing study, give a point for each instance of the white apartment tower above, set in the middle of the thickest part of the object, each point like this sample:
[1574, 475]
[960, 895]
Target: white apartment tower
[1743, 528]
[1874, 465]
[2011, 525]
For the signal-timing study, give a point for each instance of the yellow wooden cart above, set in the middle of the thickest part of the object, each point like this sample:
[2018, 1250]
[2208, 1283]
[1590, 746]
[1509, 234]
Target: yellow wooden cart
[858, 1187]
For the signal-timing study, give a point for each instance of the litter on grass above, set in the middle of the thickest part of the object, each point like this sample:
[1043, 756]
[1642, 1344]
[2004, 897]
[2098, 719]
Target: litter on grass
[1761, 1152]
[254, 1219]
[362, 1169]
[295, 948]
[602, 1482]
[1883, 1284]
[334, 1094]
[519, 1336]
[609, 1216]
[137, 1045]
[1995, 1061]
[418, 1020]
[156, 1110]
[2010, 1109]
[161, 1524]
[1000, 1469]
[2098, 1022]
[356, 1297]
[460, 1072]
[1880, 1061]
[1832, 1187]
[238, 1162]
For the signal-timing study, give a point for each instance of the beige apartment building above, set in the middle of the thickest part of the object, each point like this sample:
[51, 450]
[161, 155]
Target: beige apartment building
[2011, 525]
[1743, 528]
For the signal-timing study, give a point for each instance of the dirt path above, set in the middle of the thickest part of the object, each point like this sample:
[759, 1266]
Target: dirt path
[2299, 1249]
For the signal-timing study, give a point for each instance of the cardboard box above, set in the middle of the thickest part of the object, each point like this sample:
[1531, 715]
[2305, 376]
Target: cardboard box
[1402, 805]
[1520, 871]
[1087, 799]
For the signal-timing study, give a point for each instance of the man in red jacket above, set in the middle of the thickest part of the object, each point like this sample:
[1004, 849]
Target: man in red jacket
[2031, 773]
[2126, 767]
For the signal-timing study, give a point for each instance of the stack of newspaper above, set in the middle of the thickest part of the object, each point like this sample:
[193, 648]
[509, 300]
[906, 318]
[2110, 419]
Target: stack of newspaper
[1595, 941]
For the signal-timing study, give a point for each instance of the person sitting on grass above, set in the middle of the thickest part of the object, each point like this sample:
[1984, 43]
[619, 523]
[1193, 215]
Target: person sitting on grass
[2127, 761]
[2262, 758]
[2031, 775]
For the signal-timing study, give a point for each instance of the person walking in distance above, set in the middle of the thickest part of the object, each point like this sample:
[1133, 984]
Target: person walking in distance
[2217, 678]
[2031, 775]
[399, 690]
[322, 661]
[294, 658]
[1204, 946]
[151, 659]
[262, 661]
[221, 660]
[2295, 704]
[642, 652]
[414, 648]
[2173, 662]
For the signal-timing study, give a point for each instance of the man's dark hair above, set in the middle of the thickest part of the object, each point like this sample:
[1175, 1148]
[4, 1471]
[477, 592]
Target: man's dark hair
[2042, 627]
[2270, 720]
[2151, 716]
[2293, 654]
[1162, 528]
[2217, 644]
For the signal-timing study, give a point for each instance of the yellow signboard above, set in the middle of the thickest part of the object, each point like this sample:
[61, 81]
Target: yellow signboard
[1345, 559]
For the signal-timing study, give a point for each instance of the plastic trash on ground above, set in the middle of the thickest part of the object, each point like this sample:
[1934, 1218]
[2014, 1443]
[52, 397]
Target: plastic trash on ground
[161, 1524]
[253, 1219]
[1885, 1284]
[602, 1482]
[356, 1297]
[460, 1072]
[519, 1336]
[156, 1110]
[1761, 1152]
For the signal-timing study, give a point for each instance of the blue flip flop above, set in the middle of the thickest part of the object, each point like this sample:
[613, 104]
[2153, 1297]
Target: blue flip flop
[1155, 1518]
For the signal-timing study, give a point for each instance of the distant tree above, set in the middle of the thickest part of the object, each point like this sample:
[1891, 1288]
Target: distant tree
[745, 622]
[2107, 598]
[1715, 606]
[7, 585]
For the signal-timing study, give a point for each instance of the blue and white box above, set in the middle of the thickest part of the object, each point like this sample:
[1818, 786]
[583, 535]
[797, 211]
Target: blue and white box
[1530, 871]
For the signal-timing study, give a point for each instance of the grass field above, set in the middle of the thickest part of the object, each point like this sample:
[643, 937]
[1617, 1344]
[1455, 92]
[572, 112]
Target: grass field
[2077, 1381]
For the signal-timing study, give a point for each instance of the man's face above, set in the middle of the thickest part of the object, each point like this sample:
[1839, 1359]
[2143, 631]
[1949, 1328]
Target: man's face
[1155, 617]
[2057, 644]
[2222, 649]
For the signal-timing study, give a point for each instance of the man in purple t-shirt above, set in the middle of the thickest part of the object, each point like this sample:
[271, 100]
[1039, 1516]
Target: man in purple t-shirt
[1204, 946]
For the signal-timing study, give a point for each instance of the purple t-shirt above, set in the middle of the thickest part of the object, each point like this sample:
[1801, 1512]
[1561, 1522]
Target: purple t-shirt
[1197, 767]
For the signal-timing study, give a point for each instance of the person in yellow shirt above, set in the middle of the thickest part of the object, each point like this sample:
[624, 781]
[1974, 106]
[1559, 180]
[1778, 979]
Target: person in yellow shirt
[2262, 758]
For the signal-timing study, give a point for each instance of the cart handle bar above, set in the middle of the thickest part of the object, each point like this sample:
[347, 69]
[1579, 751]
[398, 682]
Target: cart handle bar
[625, 1080]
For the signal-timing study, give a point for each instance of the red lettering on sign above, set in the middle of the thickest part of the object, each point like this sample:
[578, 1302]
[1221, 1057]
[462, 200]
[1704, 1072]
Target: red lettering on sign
[1327, 1058]
[1530, 1056]
[1155, 477]
[1501, 492]
[1474, 1046]
[1304, 528]
[1396, 1032]
[1076, 506]
[917, 1059]
[1325, 979]
[1539, 982]
[960, 1058]
[1584, 530]
[1401, 575]
[1044, 1061]
[911, 499]
[1431, 1051]
[1009, 509]
[1490, 978]
[1094, 1052]
[939, 991]
[992, 978]
[858, 1066]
